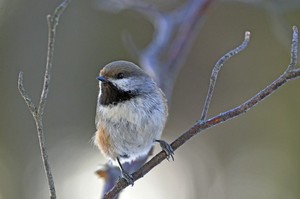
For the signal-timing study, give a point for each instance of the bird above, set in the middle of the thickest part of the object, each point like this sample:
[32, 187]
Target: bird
[131, 114]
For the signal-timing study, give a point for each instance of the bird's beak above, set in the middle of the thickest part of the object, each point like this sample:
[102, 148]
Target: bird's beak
[102, 79]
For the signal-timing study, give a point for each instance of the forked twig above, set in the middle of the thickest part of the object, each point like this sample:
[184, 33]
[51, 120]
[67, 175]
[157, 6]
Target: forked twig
[215, 72]
[38, 112]
[290, 74]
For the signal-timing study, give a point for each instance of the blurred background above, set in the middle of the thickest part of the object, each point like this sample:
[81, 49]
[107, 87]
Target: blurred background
[253, 156]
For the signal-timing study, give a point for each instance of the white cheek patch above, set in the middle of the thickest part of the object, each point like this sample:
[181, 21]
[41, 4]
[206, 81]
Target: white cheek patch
[122, 84]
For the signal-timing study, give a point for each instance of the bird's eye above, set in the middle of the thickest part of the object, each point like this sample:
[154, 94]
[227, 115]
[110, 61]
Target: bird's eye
[120, 75]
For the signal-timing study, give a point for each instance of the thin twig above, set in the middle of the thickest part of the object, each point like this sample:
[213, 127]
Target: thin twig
[25, 96]
[52, 24]
[215, 72]
[38, 113]
[200, 126]
[294, 51]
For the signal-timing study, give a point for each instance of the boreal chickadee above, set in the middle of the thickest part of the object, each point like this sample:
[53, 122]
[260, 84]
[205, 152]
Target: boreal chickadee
[131, 114]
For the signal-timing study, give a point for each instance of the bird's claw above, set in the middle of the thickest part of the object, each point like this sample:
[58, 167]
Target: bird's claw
[128, 177]
[167, 149]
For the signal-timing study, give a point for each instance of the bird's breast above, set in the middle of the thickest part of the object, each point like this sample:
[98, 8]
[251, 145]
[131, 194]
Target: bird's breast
[132, 126]
[130, 111]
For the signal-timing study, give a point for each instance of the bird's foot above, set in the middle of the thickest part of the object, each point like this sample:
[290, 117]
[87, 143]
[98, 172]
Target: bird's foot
[128, 177]
[167, 148]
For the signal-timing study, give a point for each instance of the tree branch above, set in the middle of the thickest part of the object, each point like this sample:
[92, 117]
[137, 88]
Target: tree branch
[294, 49]
[38, 113]
[215, 72]
[290, 74]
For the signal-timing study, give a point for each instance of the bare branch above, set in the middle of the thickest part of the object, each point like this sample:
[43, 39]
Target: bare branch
[38, 113]
[25, 96]
[52, 23]
[294, 51]
[215, 72]
[200, 126]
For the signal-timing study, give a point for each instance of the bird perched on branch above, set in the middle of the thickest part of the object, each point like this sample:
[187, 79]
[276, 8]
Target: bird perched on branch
[130, 116]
